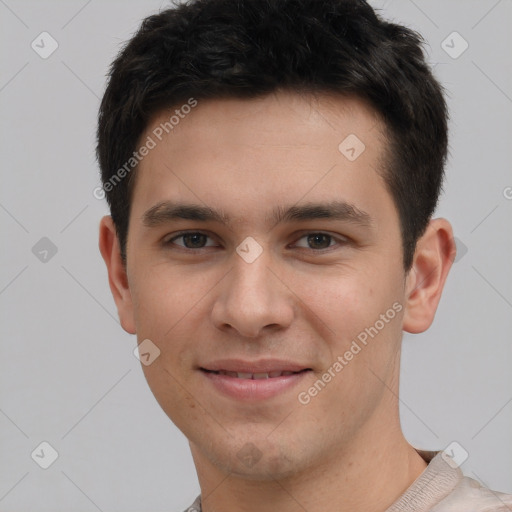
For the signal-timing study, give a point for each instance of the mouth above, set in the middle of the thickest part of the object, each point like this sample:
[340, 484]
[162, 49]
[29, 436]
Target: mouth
[255, 376]
[253, 382]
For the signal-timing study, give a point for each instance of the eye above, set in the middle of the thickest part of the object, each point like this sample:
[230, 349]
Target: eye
[196, 240]
[320, 241]
[191, 240]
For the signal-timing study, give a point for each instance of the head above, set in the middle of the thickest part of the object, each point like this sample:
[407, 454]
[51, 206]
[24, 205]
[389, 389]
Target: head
[301, 144]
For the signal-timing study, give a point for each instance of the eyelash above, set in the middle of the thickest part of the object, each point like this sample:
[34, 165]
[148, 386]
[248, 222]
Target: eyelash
[341, 241]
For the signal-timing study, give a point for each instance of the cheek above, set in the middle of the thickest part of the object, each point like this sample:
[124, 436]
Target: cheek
[358, 317]
[167, 309]
[344, 301]
[366, 344]
[172, 391]
[172, 308]
[164, 297]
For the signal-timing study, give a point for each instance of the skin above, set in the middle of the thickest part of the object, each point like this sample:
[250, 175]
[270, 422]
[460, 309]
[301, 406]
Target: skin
[301, 300]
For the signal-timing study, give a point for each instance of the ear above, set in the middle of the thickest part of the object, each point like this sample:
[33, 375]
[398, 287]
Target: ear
[433, 258]
[117, 276]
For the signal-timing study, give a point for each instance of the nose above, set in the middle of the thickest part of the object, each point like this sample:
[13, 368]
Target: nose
[253, 299]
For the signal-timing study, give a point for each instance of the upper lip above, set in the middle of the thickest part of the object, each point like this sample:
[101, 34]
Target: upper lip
[261, 366]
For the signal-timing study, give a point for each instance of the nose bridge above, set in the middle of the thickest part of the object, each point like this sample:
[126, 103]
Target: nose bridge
[252, 298]
[251, 284]
[252, 276]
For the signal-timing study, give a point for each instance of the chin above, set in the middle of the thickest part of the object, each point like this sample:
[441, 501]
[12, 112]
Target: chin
[257, 460]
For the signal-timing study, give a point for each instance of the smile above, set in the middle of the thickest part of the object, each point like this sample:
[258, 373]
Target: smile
[266, 380]
[254, 376]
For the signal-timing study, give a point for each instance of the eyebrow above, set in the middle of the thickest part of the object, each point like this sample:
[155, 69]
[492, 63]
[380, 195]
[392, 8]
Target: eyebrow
[166, 211]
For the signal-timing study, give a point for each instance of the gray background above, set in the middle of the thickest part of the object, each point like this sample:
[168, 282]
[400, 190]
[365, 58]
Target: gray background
[68, 375]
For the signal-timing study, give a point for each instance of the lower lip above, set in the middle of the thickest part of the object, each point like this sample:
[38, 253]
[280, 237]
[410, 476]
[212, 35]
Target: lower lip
[253, 389]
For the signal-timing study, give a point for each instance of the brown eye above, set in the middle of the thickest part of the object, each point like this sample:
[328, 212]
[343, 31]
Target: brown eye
[190, 240]
[194, 240]
[320, 241]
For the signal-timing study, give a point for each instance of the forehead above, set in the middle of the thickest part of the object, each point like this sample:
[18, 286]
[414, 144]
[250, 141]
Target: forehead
[278, 148]
[296, 118]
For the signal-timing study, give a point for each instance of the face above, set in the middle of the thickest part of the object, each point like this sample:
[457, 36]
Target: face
[291, 270]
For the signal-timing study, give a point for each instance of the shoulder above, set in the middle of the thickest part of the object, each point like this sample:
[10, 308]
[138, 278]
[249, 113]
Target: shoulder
[196, 506]
[468, 494]
[442, 487]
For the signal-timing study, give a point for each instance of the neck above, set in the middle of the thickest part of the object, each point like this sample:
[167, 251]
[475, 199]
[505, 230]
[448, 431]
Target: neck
[370, 473]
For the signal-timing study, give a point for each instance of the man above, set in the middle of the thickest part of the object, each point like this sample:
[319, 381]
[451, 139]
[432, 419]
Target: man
[272, 168]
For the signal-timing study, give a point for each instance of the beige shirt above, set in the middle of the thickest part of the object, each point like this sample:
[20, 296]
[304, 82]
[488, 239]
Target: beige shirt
[443, 488]
[440, 488]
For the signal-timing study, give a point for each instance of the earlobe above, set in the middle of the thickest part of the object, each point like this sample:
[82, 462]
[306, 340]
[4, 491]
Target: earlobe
[117, 277]
[433, 258]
